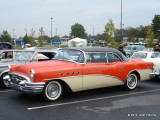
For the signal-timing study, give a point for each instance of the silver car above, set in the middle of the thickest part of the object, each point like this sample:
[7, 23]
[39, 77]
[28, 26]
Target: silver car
[19, 57]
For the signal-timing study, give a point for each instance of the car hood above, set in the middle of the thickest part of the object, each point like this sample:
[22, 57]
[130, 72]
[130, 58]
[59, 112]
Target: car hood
[51, 66]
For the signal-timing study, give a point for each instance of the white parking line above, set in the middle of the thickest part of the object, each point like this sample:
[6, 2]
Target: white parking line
[6, 91]
[89, 100]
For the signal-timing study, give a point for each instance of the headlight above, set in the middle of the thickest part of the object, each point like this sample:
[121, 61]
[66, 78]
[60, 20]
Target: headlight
[32, 74]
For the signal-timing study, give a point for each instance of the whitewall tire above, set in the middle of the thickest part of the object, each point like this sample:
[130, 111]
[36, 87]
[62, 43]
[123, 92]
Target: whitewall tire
[131, 82]
[52, 91]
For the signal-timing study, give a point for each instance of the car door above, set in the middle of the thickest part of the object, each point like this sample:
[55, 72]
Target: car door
[94, 70]
[118, 67]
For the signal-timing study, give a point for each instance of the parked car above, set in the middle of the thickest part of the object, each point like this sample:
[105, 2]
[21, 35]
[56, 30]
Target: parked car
[8, 55]
[78, 69]
[150, 56]
[19, 57]
[133, 48]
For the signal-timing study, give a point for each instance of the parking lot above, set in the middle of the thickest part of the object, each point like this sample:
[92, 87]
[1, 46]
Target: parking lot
[114, 103]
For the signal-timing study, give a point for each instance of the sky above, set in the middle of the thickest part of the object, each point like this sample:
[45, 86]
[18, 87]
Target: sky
[20, 16]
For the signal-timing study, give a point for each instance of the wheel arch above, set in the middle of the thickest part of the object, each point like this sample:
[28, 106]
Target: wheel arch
[65, 86]
[136, 73]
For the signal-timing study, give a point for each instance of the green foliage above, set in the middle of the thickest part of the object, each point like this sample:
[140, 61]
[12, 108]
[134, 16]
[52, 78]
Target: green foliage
[156, 25]
[141, 31]
[26, 39]
[32, 37]
[77, 30]
[41, 37]
[48, 39]
[138, 32]
[5, 37]
[150, 36]
[109, 33]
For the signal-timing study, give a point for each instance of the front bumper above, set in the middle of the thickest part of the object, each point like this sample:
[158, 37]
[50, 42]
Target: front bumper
[154, 75]
[25, 86]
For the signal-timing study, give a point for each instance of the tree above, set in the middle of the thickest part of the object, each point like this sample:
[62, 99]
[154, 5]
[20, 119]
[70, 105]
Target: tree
[26, 39]
[47, 38]
[131, 33]
[156, 26]
[41, 36]
[77, 30]
[109, 33]
[5, 37]
[150, 36]
[32, 37]
[141, 31]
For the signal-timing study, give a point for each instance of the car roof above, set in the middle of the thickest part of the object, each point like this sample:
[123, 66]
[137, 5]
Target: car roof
[146, 52]
[96, 49]
[41, 50]
[92, 49]
[6, 50]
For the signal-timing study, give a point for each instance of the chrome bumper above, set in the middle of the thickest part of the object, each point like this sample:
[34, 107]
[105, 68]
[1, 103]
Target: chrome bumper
[29, 88]
[153, 75]
[25, 86]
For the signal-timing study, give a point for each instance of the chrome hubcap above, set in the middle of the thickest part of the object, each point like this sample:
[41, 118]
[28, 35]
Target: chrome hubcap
[131, 81]
[5, 78]
[53, 90]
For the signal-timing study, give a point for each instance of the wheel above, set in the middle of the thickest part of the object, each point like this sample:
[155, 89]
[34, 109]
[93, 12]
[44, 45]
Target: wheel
[52, 91]
[3, 80]
[131, 82]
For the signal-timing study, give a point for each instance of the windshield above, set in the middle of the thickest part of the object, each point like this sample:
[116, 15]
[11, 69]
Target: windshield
[24, 56]
[139, 55]
[158, 56]
[70, 55]
[128, 48]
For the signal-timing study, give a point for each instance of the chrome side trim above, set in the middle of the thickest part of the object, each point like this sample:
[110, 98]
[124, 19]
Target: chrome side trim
[63, 77]
[85, 75]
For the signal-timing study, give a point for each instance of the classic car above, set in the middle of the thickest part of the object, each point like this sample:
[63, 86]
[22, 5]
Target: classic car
[13, 57]
[77, 69]
[150, 56]
[133, 48]
[7, 55]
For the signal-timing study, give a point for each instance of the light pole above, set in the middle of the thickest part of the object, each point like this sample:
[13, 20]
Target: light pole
[121, 23]
[26, 30]
[93, 30]
[14, 38]
[51, 30]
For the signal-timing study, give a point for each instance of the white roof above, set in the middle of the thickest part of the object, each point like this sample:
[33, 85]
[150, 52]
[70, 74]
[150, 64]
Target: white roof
[77, 39]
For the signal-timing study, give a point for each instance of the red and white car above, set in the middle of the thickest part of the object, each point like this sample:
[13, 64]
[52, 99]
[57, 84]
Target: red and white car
[78, 69]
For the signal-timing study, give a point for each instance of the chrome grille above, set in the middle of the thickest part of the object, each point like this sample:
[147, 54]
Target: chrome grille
[16, 79]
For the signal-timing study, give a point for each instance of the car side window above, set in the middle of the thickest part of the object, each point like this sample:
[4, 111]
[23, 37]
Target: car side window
[113, 58]
[7, 55]
[96, 57]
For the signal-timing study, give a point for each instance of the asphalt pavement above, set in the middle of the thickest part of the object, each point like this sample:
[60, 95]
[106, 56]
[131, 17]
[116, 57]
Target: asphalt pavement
[113, 103]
